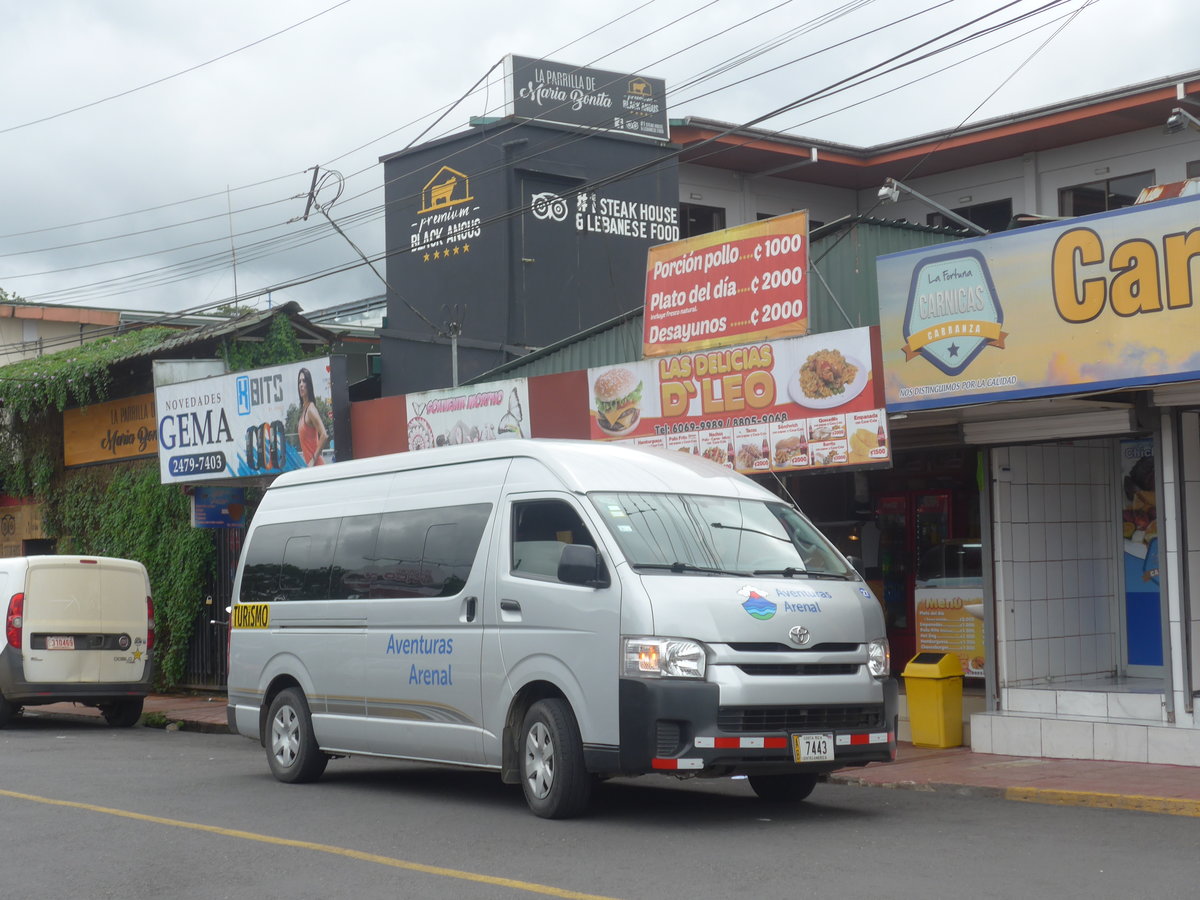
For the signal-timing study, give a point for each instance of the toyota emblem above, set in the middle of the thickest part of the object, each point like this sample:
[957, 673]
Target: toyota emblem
[798, 634]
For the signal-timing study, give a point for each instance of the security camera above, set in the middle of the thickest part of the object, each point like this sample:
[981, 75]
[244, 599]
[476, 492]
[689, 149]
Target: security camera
[1175, 122]
[889, 193]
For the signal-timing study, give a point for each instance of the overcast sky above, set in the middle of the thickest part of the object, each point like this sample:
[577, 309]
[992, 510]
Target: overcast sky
[131, 128]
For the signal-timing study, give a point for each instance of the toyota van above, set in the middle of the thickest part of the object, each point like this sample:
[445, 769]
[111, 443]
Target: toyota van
[556, 612]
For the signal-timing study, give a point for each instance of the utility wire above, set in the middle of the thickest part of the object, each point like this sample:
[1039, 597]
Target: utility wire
[126, 93]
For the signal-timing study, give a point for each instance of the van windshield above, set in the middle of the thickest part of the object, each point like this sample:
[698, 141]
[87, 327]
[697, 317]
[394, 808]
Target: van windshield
[723, 535]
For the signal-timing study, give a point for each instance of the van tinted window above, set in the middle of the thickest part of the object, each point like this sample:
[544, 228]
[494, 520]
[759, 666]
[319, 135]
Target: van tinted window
[354, 557]
[428, 552]
[417, 553]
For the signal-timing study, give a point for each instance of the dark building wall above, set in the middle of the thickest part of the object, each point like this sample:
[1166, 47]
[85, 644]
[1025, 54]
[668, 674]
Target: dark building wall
[524, 234]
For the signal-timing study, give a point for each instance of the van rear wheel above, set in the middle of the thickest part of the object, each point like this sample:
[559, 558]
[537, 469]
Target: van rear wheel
[553, 774]
[783, 788]
[123, 713]
[292, 751]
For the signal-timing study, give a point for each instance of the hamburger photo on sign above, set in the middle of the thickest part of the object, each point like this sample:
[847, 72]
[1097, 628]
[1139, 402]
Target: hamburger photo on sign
[618, 397]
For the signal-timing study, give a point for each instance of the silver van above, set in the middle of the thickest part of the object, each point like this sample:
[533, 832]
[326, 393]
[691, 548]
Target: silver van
[554, 611]
[77, 628]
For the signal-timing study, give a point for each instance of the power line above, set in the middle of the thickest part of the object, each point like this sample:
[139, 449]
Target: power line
[142, 87]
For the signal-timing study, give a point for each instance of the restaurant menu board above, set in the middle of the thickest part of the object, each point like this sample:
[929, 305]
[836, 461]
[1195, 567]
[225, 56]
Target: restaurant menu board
[950, 620]
[733, 286]
[465, 415]
[803, 403]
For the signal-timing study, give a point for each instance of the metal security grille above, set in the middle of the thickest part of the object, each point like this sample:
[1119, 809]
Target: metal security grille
[750, 719]
[208, 663]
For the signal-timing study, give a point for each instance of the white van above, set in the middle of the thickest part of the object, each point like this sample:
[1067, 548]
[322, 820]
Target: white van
[77, 628]
[554, 611]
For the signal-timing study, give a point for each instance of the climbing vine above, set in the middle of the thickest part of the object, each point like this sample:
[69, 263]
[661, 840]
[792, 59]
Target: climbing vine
[121, 509]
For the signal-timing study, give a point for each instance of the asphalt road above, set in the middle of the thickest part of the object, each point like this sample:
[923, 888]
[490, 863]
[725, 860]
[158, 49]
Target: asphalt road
[86, 810]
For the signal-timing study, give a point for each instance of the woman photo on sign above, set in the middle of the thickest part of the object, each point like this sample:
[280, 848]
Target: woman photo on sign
[310, 428]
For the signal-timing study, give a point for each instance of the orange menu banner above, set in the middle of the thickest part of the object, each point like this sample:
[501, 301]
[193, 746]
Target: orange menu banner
[802, 403]
[733, 286]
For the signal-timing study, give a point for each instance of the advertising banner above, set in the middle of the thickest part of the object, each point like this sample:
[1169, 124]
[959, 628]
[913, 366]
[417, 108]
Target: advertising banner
[587, 98]
[1140, 560]
[246, 424]
[104, 432]
[464, 415]
[950, 620]
[1092, 303]
[804, 403]
[218, 507]
[733, 286]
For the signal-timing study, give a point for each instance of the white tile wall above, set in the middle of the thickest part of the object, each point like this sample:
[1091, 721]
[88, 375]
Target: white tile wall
[1057, 522]
[1126, 743]
[1067, 739]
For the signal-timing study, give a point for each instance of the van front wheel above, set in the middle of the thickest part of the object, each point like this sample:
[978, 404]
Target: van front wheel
[122, 713]
[553, 774]
[292, 751]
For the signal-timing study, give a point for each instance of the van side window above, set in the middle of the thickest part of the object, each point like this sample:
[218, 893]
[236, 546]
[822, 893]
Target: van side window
[417, 553]
[264, 559]
[307, 556]
[428, 552]
[540, 529]
[354, 558]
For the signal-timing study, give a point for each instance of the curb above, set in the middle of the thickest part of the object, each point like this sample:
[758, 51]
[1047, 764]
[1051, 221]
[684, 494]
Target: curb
[1170, 806]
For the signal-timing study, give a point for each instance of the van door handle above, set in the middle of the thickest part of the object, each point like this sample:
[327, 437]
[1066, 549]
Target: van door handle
[510, 606]
[470, 608]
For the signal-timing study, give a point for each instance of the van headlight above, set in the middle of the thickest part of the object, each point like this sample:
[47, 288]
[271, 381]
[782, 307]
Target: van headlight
[647, 657]
[879, 658]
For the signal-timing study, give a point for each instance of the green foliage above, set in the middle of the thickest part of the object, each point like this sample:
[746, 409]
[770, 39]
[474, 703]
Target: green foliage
[279, 346]
[126, 512]
[76, 377]
[6, 297]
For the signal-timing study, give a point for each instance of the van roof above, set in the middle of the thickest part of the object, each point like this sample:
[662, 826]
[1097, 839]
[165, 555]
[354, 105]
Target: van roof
[582, 466]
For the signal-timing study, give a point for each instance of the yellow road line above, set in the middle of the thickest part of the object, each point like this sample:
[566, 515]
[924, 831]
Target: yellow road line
[528, 886]
[1169, 805]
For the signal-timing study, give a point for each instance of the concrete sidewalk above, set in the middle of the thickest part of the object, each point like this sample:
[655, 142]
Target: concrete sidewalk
[1172, 790]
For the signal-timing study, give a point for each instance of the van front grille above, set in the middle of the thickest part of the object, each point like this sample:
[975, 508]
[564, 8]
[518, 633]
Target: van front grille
[667, 738]
[800, 669]
[827, 647]
[749, 719]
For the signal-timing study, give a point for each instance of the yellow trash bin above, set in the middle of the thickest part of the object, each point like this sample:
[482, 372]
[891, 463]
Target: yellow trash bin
[933, 683]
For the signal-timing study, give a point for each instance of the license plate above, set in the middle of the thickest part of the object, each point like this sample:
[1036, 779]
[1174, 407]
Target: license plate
[812, 747]
[60, 643]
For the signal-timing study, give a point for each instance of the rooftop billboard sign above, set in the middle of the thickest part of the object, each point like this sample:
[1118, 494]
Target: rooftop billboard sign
[626, 104]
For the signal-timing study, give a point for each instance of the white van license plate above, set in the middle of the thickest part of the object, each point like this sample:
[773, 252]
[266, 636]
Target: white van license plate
[812, 747]
[60, 643]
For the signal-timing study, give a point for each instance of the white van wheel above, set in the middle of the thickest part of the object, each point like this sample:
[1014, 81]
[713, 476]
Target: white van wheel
[553, 774]
[122, 713]
[292, 751]
[783, 788]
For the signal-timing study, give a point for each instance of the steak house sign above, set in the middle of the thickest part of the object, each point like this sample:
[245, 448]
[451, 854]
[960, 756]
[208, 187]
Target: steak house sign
[586, 98]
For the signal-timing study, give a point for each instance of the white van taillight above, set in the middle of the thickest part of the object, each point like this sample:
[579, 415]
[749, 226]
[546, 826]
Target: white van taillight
[14, 622]
[149, 624]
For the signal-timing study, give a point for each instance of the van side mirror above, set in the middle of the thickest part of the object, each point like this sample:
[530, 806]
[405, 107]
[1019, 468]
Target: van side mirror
[580, 564]
[857, 562]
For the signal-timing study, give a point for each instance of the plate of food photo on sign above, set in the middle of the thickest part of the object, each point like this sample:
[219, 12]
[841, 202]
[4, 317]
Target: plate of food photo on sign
[828, 378]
